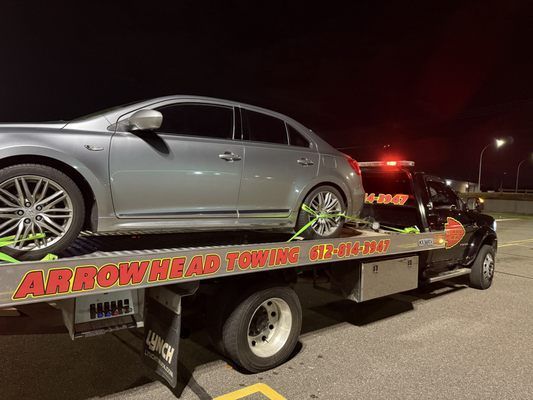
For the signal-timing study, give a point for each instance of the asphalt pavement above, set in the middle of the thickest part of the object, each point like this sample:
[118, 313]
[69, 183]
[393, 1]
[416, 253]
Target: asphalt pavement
[447, 341]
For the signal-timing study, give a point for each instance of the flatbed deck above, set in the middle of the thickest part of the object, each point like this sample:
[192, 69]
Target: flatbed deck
[107, 263]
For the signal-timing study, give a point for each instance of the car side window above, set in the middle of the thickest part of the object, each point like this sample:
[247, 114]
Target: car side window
[296, 138]
[441, 195]
[203, 120]
[260, 127]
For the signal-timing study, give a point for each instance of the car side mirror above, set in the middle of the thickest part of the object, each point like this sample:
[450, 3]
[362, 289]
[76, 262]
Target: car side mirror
[474, 204]
[144, 120]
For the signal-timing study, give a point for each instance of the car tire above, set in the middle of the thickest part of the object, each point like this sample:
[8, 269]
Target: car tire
[304, 217]
[263, 329]
[52, 181]
[482, 271]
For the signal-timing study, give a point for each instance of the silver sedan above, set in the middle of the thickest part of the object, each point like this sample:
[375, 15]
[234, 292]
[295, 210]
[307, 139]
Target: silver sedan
[174, 163]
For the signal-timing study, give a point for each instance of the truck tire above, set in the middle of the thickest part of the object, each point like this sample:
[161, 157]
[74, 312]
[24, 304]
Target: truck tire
[36, 199]
[482, 271]
[263, 329]
[326, 227]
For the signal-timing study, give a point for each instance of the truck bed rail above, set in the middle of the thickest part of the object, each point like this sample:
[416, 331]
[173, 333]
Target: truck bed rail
[92, 266]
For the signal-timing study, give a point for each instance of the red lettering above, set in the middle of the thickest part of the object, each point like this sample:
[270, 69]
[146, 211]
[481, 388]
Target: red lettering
[403, 199]
[212, 263]
[245, 259]
[58, 281]
[231, 258]
[84, 278]
[294, 254]
[31, 285]
[272, 258]
[176, 268]
[159, 270]
[132, 273]
[195, 267]
[281, 256]
[259, 258]
[107, 275]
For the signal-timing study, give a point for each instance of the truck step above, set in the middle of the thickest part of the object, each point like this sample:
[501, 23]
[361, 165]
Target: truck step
[448, 275]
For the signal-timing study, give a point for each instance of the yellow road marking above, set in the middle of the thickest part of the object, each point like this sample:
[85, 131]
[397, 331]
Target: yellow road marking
[265, 390]
[515, 242]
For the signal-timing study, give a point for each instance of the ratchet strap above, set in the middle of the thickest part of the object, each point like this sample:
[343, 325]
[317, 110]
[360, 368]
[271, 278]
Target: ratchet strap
[316, 216]
[10, 240]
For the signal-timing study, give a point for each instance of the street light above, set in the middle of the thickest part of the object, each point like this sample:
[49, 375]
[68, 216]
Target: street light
[499, 143]
[518, 172]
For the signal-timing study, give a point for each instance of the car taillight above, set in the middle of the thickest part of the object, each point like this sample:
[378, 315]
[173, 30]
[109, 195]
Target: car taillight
[353, 164]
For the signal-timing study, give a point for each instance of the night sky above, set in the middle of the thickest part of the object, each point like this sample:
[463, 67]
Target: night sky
[434, 80]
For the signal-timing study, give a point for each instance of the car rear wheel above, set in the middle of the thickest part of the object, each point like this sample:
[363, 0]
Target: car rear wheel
[37, 199]
[328, 201]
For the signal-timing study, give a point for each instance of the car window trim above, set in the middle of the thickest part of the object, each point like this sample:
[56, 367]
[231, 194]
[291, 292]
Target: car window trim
[310, 144]
[201, 104]
[247, 135]
[440, 181]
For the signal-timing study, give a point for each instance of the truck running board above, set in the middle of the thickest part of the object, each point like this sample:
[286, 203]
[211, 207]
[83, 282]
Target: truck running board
[451, 274]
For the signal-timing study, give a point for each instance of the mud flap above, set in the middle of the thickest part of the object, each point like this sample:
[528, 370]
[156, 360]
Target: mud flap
[162, 326]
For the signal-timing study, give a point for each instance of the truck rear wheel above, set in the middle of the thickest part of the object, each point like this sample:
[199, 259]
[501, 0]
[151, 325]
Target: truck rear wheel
[263, 329]
[482, 271]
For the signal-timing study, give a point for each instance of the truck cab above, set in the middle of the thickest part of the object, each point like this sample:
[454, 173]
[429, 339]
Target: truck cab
[398, 197]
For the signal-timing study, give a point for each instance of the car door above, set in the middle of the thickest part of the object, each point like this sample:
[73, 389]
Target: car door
[445, 210]
[190, 167]
[279, 162]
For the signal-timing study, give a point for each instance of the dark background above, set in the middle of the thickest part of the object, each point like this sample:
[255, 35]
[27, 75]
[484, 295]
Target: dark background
[434, 80]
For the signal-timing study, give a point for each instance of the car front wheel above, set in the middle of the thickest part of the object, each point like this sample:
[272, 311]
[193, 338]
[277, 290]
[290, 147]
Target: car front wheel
[37, 199]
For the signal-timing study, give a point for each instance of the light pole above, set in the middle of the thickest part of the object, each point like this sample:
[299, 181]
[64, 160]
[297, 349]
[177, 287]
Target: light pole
[499, 143]
[518, 172]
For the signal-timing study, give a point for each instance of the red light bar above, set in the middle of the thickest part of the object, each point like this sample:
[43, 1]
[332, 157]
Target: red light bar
[402, 163]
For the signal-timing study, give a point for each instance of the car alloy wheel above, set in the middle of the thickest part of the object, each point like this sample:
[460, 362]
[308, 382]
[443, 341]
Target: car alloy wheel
[328, 204]
[31, 204]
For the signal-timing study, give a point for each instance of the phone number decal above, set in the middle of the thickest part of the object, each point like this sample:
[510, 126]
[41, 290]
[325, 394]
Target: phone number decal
[385, 198]
[348, 249]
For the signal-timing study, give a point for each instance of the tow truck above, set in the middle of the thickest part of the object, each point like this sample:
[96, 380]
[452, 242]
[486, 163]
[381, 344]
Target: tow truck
[414, 230]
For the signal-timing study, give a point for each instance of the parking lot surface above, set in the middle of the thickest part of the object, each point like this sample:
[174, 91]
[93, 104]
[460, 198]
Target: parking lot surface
[447, 341]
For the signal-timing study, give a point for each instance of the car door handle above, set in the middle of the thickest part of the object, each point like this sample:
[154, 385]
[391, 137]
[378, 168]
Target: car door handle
[305, 162]
[229, 156]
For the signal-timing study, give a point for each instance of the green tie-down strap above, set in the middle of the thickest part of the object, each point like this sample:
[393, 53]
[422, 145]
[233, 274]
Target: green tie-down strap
[10, 240]
[316, 216]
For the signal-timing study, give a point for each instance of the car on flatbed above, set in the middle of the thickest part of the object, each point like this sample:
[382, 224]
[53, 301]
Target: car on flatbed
[177, 163]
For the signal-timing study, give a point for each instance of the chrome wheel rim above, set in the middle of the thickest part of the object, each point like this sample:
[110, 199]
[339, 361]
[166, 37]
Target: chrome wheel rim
[488, 267]
[31, 204]
[326, 203]
[270, 327]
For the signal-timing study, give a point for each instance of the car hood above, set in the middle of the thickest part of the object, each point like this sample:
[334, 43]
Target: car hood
[34, 125]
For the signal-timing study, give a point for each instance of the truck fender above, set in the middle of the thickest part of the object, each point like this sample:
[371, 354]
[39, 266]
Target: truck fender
[483, 235]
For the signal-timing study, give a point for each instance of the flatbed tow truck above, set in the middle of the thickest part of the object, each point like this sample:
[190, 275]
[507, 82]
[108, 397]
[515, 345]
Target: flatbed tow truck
[105, 283]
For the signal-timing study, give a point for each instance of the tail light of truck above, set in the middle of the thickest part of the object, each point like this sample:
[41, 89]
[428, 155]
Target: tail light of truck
[354, 164]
